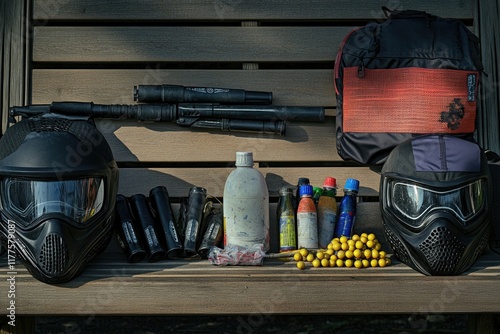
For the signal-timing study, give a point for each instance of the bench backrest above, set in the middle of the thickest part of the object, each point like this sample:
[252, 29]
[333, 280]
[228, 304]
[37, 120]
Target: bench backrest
[97, 51]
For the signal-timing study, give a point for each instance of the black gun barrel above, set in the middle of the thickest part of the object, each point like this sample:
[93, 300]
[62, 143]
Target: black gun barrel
[265, 119]
[171, 112]
[176, 93]
[252, 112]
[140, 112]
[274, 127]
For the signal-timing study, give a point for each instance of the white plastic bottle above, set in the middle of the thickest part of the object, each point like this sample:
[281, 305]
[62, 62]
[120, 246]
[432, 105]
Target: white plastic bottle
[246, 205]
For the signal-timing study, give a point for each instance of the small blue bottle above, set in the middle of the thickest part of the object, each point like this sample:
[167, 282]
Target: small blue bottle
[347, 209]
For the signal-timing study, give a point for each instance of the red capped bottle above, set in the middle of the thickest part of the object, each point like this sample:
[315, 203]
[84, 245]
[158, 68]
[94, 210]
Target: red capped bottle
[327, 212]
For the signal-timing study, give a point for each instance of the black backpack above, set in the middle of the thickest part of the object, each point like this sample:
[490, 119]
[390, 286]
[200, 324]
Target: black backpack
[411, 75]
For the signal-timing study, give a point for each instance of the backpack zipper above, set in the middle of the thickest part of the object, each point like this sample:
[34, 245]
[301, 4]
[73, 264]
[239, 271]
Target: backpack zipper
[336, 69]
[361, 69]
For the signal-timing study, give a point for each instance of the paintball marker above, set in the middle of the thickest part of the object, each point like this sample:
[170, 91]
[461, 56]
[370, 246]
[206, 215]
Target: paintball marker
[260, 118]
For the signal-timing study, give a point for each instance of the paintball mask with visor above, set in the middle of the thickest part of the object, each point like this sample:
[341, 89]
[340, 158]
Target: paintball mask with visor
[58, 185]
[436, 203]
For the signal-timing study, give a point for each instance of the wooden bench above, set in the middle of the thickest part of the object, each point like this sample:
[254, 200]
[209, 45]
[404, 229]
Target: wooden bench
[98, 51]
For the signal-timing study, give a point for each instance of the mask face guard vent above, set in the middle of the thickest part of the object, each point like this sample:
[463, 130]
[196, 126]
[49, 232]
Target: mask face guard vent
[49, 125]
[53, 257]
[397, 246]
[442, 250]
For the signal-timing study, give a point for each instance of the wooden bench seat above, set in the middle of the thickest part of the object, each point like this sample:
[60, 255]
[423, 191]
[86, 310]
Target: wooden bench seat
[98, 51]
[109, 286]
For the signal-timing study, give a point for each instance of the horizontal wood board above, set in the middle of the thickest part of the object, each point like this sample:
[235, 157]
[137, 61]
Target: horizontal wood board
[221, 10]
[108, 286]
[186, 44]
[13, 57]
[304, 87]
[132, 141]
[129, 44]
[488, 27]
[178, 181]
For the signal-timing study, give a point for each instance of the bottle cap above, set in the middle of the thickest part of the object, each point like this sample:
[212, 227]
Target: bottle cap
[194, 190]
[306, 189]
[303, 180]
[351, 184]
[317, 192]
[244, 159]
[330, 182]
[285, 190]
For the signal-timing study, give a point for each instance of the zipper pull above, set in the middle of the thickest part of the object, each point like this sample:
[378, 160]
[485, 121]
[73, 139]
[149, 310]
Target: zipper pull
[361, 69]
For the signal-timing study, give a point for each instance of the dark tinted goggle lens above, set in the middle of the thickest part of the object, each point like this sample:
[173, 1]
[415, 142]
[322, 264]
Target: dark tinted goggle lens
[28, 200]
[413, 201]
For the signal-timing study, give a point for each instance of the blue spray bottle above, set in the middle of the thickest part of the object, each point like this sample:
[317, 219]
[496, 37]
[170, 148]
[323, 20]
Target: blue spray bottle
[347, 209]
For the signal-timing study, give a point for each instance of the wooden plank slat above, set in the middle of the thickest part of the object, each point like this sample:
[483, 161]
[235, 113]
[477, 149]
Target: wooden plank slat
[3, 54]
[186, 44]
[196, 287]
[238, 10]
[179, 180]
[495, 181]
[487, 264]
[489, 108]
[192, 268]
[150, 141]
[289, 87]
[13, 55]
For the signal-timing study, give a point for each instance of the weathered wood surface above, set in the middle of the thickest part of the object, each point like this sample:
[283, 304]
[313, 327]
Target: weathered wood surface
[488, 26]
[183, 287]
[110, 286]
[98, 50]
[193, 286]
[13, 56]
[222, 10]
[132, 141]
[179, 180]
[304, 87]
[186, 44]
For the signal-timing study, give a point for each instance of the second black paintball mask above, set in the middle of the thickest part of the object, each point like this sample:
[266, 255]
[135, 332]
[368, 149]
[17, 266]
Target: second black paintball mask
[436, 199]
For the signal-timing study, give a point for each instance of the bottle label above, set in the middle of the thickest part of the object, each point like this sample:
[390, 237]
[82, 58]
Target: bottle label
[326, 226]
[307, 230]
[151, 238]
[192, 230]
[129, 233]
[347, 214]
[173, 232]
[246, 222]
[345, 224]
[287, 233]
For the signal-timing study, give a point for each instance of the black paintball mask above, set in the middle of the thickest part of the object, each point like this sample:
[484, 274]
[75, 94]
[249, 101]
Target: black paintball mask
[58, 186]
[436, 199]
